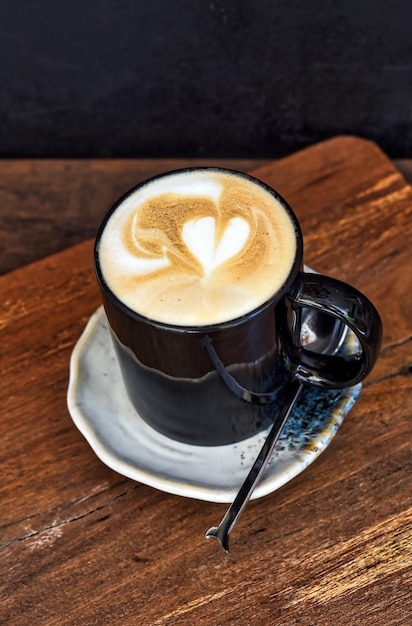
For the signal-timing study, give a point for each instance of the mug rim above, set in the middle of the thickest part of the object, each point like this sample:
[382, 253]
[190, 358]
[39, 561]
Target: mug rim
[233, 322]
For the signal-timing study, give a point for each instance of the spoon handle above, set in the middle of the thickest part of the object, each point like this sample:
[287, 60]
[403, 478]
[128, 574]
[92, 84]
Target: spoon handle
[221, 532]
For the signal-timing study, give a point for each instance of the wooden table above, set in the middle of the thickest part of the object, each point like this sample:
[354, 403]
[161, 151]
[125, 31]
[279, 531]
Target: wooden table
[81, 544]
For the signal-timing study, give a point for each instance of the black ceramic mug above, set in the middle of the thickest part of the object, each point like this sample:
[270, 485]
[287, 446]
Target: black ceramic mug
[201, 274]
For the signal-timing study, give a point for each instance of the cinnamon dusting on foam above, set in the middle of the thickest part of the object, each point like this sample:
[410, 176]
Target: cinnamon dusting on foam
[197, 248]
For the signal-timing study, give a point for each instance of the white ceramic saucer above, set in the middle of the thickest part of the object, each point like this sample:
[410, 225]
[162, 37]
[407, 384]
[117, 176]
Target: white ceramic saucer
[101, 410]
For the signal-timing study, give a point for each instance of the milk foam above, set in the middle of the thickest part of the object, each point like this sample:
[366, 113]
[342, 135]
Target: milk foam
[197, 248]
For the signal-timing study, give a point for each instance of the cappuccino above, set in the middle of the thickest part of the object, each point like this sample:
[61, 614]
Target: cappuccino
[201, 281]
[197, 247]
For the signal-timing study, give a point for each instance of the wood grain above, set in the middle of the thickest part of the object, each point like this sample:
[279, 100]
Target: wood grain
[80, 544]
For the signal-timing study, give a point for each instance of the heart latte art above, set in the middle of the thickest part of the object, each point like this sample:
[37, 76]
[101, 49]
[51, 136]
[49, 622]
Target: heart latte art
[199, 236]
[197, 247]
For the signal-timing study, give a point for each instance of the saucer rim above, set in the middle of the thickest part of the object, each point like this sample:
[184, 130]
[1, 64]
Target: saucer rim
[269, 482]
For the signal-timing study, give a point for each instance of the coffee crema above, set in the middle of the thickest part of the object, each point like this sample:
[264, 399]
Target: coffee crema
[197, 247]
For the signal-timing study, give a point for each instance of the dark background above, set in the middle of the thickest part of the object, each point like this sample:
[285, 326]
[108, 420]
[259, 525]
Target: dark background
[100, 78]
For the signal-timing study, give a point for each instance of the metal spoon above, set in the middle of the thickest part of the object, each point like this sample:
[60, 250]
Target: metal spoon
[221, 532]
[323, 334]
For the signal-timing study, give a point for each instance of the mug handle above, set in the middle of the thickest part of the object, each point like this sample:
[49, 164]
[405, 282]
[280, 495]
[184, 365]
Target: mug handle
[330, 297]
[346, 304]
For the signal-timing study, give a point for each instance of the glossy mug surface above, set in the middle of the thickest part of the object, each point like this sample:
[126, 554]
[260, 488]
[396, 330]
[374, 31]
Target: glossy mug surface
[200, 274]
